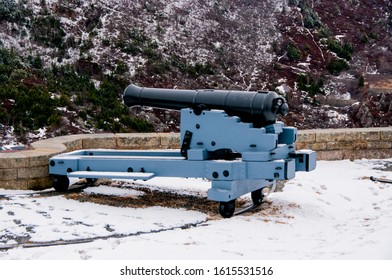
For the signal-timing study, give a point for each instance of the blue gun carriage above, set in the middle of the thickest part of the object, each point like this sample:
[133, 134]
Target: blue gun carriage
[231, 138]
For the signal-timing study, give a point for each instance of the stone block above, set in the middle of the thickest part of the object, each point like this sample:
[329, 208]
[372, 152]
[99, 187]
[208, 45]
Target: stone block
[33, 172]
[138, 141]
[8, 174]
[311, 146]
[341, 135]
[72, 145]
[301, 145]
[14, 160]
[329, 155]
[53, 145]
[347, 145]
[39, 157]
[27, 184]
[386, 135]
[379, 145]
[100, 141]
[379, 153]
[318, 146]
[370, 135]
[170, 140]
[15, 184]
[360, 154]
[306, 136]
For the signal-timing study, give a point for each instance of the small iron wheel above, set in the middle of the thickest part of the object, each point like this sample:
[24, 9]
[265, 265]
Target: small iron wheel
[257, 197]
[226, 209]
[60, 183]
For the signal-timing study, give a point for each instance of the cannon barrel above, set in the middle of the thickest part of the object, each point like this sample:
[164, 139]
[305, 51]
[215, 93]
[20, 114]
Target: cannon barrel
[259, 108]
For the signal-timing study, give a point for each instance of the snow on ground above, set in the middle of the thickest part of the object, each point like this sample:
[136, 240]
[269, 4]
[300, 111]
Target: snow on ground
[57, 218]
[334, 212]
[105, 190]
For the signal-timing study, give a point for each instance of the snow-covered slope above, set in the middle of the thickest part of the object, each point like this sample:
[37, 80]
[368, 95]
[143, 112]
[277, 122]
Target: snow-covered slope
[107, 31]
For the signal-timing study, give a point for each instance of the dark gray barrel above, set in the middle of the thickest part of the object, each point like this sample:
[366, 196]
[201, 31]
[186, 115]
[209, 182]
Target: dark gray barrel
[260, 108]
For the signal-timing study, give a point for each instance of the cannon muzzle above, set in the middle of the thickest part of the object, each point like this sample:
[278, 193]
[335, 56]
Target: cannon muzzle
[260, 108]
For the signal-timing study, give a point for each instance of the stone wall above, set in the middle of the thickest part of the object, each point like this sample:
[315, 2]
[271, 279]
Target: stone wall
[339, 144]
[29, 169]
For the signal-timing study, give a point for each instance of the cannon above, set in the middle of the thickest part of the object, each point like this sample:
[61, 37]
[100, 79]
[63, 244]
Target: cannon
[232, 138]
[259, 108]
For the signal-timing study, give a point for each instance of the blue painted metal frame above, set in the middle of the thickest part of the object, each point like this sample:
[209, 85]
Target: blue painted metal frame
[262, 155]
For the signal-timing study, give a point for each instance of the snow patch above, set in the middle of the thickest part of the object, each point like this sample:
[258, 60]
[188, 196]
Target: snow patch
[111, 191]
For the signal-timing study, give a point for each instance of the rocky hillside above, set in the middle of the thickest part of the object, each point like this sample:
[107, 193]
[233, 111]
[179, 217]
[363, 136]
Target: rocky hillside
[64, 64]
[343, 48]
